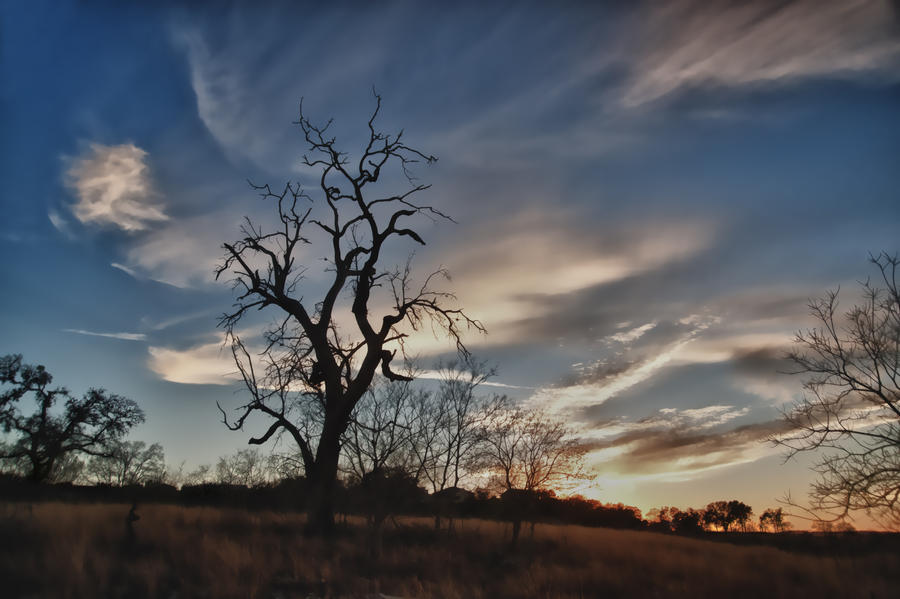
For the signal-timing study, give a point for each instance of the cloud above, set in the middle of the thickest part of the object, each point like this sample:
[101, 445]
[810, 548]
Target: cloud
[633, 334]
[691, 43]
[113, 187]
[59, 222]
[678, 445]
[436, 375]
[123, 268]
[597, 382]
[205, 364]
[185, 252]
[247, 101]
[123, 336]
[539, 256]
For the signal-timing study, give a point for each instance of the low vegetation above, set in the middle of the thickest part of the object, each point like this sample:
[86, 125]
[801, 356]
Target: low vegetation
[67, 550]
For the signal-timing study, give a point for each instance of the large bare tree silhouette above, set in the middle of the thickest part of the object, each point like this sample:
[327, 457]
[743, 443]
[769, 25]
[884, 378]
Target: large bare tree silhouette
[315, 369]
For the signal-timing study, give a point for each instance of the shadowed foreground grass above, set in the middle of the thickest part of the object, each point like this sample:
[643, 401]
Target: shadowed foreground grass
[65, 550]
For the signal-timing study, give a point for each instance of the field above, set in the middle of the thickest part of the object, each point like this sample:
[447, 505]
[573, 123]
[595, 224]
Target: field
[82, 550]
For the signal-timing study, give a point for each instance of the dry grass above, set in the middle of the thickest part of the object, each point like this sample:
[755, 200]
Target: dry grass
[62, 550]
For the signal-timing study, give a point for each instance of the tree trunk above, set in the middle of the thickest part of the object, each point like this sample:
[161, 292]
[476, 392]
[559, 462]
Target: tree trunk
[320, 505]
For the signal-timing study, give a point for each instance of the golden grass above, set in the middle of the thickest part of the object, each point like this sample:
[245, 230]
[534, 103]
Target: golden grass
[63, 550]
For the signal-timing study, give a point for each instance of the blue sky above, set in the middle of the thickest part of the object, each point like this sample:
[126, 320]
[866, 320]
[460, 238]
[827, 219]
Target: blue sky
[646, 196]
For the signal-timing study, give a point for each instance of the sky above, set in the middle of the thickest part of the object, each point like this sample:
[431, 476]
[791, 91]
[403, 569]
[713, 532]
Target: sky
[646, 196]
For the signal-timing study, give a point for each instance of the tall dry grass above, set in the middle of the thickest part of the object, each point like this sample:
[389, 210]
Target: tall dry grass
[63, 550]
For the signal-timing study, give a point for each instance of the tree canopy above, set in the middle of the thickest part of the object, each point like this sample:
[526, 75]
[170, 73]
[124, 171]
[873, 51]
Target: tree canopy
[91, 424]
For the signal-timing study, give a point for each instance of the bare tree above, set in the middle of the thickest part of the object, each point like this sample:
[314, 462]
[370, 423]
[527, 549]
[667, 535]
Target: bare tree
[530, 451]
[317, 366]
[198, 476]
[851, 407]
[379, 435]
[448, 428]
[48, 439]
[452, 423]
[245, 467]
[129, 463]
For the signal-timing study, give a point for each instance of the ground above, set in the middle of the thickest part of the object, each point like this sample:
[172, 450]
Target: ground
[83, 550]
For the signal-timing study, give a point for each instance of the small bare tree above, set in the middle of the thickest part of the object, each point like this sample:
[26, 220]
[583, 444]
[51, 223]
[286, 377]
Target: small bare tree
[530, 451]
[448, 428]
[379, 434]
[317, 366]
[451, 424]
[129, 463]
[851, 408]
[245, 467]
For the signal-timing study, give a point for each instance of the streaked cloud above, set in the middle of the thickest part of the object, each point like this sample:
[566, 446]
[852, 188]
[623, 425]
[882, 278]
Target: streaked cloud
[435, 375]
[123, 268]
[677, 445]
[537, 255]
[595, 383]
[113, 187]
[123, 336]
[694, 43]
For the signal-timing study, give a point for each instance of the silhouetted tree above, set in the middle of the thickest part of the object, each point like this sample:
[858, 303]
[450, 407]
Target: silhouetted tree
[448, 429]
[316, 370]
[851, 408]
[716, 515]
[379, 434]
[688, 521]
[376, 448]
[47, 438]
[739, 513]
[723, 514]
[529, 451]
[129, 463]
[774, 518]
[198, 476]
[246, 467]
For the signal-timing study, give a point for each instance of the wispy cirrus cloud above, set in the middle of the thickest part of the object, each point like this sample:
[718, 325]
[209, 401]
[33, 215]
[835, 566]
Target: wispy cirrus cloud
[59, 222]
[692, 43]
[247, 101]
[114, 187]
[184, 252]
[123, 336]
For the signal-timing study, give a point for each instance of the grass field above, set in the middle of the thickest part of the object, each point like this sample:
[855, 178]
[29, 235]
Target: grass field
[81, 550]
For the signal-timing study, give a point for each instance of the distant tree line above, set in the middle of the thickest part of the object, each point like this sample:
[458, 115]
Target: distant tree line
[717, 516]
[407, 450]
